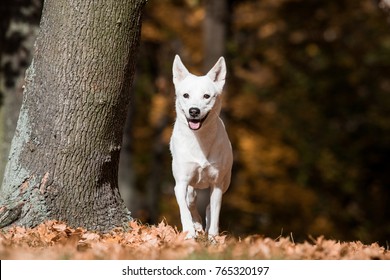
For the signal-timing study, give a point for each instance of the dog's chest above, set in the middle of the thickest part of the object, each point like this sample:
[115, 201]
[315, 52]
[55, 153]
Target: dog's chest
[203, 175]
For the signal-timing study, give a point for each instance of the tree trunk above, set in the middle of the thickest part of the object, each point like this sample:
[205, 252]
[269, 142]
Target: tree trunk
[64, 156]
[214, 31]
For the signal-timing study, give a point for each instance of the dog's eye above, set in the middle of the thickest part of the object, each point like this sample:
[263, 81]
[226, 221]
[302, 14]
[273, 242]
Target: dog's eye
[206, 96]
[186, 95]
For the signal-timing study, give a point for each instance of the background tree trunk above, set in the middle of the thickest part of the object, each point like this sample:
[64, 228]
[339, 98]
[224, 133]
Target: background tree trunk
[64, 156]
[214, 32]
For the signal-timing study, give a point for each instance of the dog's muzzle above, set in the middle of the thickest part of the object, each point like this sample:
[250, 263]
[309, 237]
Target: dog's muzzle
[195, 122]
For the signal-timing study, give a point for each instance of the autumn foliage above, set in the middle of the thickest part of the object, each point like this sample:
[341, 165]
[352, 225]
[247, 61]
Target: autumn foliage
[55, 240]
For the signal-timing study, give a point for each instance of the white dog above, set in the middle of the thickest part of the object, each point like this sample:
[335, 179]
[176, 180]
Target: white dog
[200, 147]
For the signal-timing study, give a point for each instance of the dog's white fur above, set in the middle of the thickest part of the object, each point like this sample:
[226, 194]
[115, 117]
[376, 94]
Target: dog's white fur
[200, 147]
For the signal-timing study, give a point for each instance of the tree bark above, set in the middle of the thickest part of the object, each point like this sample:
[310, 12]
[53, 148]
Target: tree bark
[63, 162]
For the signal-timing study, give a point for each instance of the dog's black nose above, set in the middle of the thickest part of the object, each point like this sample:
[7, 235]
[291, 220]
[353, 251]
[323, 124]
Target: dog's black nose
[194, 112]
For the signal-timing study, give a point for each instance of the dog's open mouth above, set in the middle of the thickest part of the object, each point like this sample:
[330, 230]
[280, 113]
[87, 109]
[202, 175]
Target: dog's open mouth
[195, 124]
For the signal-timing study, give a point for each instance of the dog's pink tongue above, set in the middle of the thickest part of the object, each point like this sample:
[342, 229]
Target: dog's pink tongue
[194, 125]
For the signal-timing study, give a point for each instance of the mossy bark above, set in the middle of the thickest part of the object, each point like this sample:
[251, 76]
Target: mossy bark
[63, 162]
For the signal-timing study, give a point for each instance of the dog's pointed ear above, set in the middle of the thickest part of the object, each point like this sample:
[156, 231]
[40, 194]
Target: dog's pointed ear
[179, 71]
[218, 73]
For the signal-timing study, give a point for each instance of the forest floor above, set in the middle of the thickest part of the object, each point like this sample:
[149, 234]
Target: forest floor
[55, 240]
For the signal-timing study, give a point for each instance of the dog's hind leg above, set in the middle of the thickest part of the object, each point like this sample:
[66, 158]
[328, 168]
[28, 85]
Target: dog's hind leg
[191, 202]
[207, 218]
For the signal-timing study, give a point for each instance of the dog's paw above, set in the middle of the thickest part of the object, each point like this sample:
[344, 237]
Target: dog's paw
[198, 227]
[190, 236]
[191, 233]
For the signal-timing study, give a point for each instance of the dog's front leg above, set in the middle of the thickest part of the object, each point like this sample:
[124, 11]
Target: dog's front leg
[213, 211]
[191, 202]
[185, 214]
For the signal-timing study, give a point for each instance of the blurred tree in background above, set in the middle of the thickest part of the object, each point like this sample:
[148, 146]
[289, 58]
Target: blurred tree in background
[306, 105]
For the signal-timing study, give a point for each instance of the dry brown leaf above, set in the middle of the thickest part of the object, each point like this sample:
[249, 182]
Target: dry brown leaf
[59, 227]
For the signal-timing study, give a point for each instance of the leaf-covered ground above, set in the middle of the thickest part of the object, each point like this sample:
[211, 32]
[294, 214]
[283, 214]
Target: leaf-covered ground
[55, 240]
